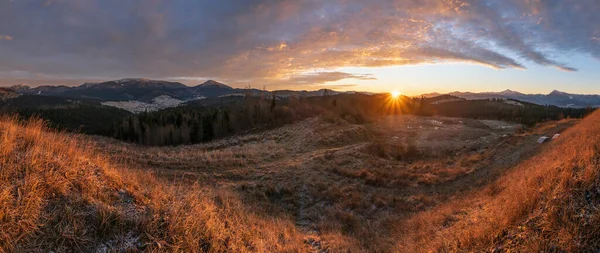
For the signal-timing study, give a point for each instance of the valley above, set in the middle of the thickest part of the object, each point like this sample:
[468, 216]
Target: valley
[156, 104]
[344, 185]
[287, 126]
[314, 173]
[356, 172]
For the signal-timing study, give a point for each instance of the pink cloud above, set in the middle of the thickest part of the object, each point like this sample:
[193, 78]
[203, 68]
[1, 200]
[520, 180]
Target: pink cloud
[5, 37]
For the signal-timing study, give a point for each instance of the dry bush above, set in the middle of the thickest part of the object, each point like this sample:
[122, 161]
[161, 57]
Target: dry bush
[406, 151]
[473, 159]
[58, 194]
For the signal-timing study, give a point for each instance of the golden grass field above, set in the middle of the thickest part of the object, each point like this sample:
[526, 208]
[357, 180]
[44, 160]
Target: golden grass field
[402, 184]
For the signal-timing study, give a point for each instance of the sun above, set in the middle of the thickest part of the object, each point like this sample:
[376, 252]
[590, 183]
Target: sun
[395, 94]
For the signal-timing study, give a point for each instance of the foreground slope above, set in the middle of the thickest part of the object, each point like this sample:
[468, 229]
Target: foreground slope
[351, 186]
[318, 185]
[548, 203]
[57, 194]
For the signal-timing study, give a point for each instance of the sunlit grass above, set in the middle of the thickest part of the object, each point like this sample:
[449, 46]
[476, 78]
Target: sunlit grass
[58, 193]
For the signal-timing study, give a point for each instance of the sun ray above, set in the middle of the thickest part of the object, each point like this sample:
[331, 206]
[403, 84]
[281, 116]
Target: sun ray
[394, 103]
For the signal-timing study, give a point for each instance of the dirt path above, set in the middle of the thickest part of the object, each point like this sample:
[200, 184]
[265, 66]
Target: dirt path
[312, 236]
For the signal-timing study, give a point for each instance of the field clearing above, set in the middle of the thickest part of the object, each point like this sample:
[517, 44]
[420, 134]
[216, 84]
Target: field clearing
[441, 135]
[348, 185]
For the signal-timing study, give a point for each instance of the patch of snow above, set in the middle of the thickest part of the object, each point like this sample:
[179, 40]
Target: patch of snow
[573, 106]
[511, 102]
[134, 106]
[88, 85]
[165, 101]
[233, 95]
[542, 139]
[123, 243]
[448, 100]
[196, 98]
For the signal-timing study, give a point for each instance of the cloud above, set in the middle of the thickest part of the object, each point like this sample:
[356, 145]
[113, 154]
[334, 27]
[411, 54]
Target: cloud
[276, 41]
[338, 86]
[5, 37]
[325, 77]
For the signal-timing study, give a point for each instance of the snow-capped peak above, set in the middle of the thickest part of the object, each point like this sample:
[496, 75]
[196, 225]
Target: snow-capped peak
[509, 92]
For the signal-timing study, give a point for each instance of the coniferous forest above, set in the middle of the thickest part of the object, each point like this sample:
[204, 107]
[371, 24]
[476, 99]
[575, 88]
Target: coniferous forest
[194, 124]
[202, 121]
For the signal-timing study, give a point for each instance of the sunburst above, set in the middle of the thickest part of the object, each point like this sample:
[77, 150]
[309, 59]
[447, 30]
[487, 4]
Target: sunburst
[393, 103]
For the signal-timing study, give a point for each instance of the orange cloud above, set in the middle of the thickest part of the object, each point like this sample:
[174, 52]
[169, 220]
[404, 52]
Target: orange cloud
[278, 41]
[5, 37]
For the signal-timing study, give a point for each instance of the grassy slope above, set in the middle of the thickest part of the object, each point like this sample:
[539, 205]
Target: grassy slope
[547, 203]
[56, 193]
[340, 181]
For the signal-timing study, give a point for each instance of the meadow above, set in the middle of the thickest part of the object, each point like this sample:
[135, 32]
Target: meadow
[319, 185]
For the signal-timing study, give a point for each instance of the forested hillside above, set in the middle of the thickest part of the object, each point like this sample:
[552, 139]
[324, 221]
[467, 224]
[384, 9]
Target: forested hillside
[509, 110]
[214, 118]
[75, 115]
[194, 124]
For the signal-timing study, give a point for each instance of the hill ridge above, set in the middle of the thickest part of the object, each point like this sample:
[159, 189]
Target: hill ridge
[58, 193]
[555, 98]
[536, 206]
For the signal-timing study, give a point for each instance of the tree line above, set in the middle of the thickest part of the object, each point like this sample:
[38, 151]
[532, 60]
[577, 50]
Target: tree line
[197, 122]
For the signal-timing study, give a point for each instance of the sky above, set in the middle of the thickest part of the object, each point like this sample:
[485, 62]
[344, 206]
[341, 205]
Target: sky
[412, 46]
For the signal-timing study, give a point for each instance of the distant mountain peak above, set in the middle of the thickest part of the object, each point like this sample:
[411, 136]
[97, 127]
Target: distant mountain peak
[127, 80]
[87, 85]
[557, 93]
[555, 98]
[510, 92]
[6, 93]
[430, 95]
[213, 83]
[136, 83]
[19, 87]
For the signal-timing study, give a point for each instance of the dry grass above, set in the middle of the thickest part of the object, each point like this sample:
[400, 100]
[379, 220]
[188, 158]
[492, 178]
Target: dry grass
[548, 203]
[345, 186]
[310, 186]
[57, 193]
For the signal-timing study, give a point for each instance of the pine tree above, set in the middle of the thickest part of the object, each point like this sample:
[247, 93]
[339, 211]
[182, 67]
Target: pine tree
[273, 101]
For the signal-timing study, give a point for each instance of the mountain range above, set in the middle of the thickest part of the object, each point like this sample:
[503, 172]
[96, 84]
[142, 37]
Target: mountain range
[142, 95]
[555, 98]
[145, 93]
[145, 90]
